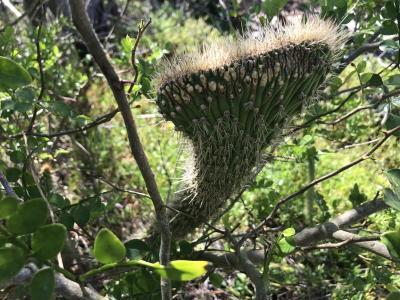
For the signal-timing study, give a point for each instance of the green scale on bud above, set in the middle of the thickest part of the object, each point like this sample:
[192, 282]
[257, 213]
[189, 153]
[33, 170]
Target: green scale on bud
[230, 115]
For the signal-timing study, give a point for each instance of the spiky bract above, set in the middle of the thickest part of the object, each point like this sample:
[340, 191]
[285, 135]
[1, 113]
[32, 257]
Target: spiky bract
[231, 112]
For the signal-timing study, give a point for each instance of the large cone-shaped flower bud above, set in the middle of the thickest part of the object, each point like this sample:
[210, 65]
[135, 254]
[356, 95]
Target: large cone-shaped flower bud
[231, 100]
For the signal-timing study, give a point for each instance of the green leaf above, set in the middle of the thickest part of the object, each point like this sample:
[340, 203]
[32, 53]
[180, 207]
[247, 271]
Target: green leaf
[392, 241]
[391, 9]
[26, 94]
[42, 285]
[58, 201]
[127, 44]
[81, 215]
[185, 248]
[285, 246]
[49, 240]
[336, 82]
[8, 206]
[12, 75]
[216, 279]
[289, 232]
[11, 261]
[356, 196]
[394, 80]
[391, 199]
[389, 27]
[393, 175]
[17, 156]
[29, 216]
[262, 21]
[136, 249]
[272, 7]
[361, 66]
[108, 248]
[392, 122]
[371, 79]
[67, 220]
[389, 44]
[359, 283]
[182, 270]
[375, 80]
[13, 174]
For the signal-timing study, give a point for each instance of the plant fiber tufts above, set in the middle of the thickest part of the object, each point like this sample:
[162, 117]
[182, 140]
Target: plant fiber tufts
[231, 99]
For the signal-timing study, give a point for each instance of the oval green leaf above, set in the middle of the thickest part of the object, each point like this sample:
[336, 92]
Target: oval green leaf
[286, 245]
[12, 75]
[183, 270]
[108, 248]
[42, 285]
[392, 122]
[11, 261]
[391, 239]
[289, 232]
[67, 220]
[8, 206]
[391, 199]
[81, 215]
[393, 175]
[29, 216]
[48, 240]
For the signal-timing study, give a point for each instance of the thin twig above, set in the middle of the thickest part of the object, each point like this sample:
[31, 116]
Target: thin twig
[347, 115]
[360, 144]
[41, 72]
[142, 28]
[337, 108]
[98, 121]
[119, 189]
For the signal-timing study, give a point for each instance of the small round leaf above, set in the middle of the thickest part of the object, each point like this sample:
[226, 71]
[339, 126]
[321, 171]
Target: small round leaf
[29, 216]
[108, 248]
[286, 246]
[391, 239]
[289, 232]
[13, 174]
[11, 261]
[42, 285]
[67, 220]
[48, 240]
[81, 215]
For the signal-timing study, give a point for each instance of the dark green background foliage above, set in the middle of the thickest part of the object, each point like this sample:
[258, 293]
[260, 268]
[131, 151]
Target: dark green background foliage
[72, 182]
